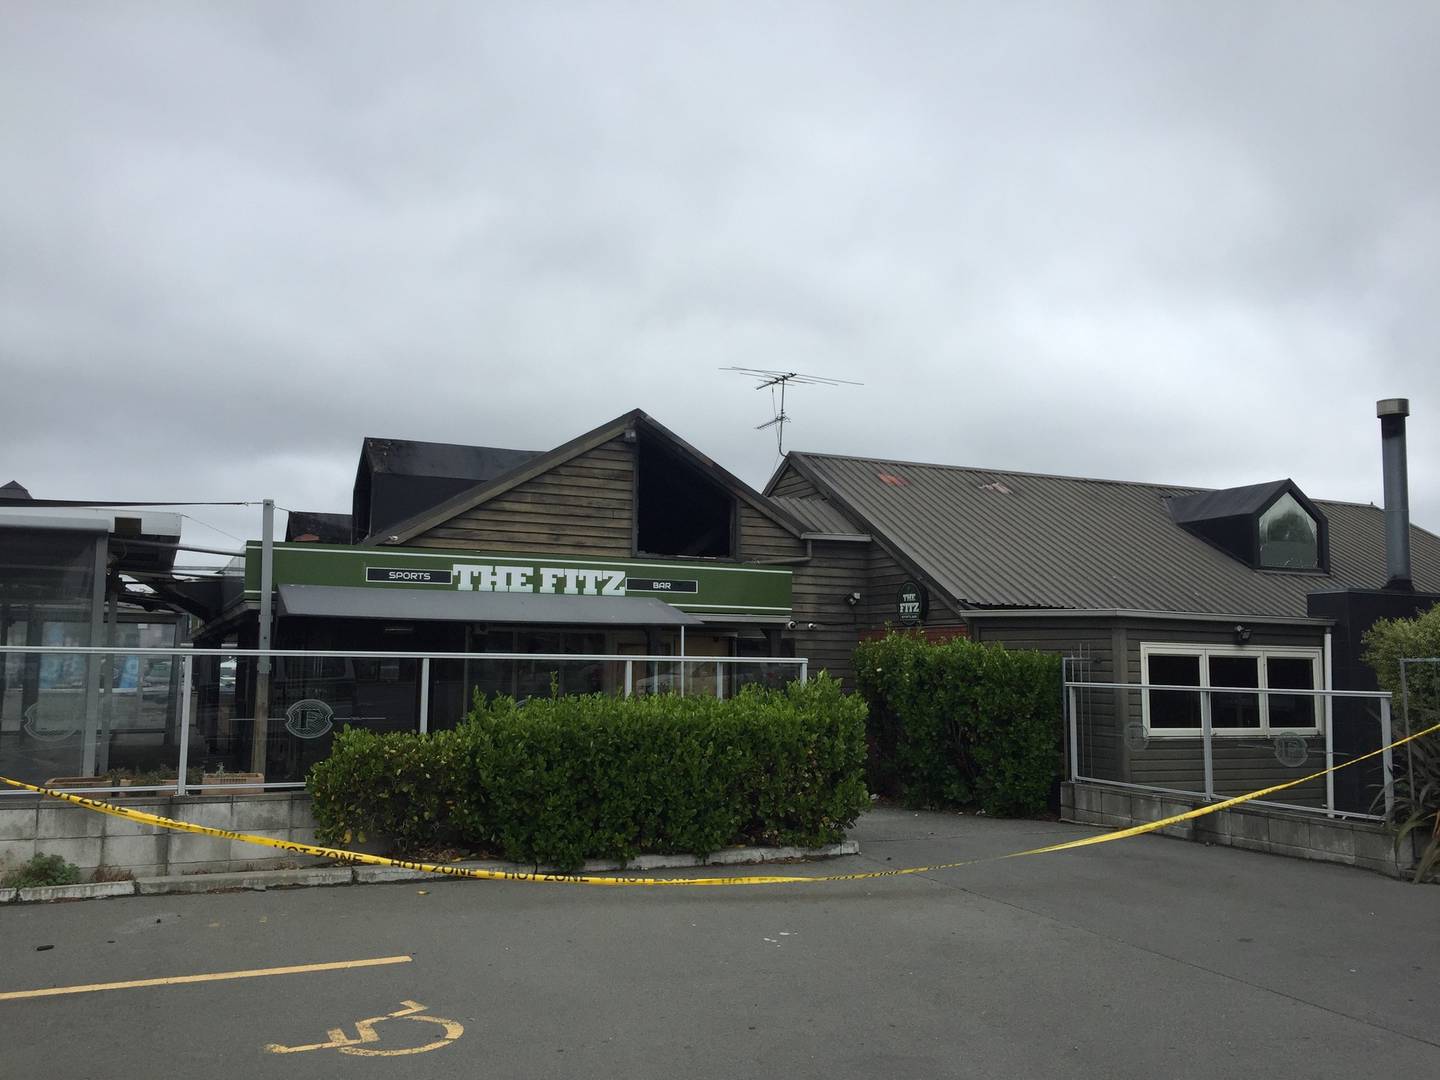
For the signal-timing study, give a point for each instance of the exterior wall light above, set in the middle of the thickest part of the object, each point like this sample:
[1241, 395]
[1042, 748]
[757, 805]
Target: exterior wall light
[1242, 633]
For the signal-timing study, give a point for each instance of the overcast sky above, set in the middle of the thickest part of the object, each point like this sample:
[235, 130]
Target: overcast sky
[1169, 242]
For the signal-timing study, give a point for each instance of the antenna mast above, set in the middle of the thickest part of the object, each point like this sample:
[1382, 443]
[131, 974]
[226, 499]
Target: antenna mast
[772, 379]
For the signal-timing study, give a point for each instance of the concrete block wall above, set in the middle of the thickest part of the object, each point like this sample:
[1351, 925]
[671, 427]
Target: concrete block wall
[1281, 832]
[37, 826]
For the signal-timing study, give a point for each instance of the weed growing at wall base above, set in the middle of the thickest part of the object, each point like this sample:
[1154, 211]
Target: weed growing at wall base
[42, 870]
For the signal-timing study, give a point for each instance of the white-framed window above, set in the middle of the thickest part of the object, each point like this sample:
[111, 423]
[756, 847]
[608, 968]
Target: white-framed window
[1242, 670]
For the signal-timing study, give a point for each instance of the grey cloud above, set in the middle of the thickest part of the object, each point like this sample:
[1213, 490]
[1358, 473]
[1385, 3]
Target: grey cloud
[1190, 243]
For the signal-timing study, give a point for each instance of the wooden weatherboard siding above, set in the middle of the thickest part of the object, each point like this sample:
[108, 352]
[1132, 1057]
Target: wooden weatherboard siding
[584, 506]
[881, 595]
[761, 538]
[1240, 763]
[820, 588]
[1113, 744]
[792, 484]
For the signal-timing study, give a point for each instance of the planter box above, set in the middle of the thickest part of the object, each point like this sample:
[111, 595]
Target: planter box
[79, 782]
[229, 783]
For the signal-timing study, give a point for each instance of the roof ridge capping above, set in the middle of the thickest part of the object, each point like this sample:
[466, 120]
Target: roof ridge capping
[1180, 490]
[1183, 488]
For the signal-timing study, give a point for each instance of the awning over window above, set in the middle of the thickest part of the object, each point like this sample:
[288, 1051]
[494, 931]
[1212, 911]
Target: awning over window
[435, 605]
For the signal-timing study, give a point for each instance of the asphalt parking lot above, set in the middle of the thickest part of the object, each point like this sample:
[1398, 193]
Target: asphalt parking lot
[1148, 957]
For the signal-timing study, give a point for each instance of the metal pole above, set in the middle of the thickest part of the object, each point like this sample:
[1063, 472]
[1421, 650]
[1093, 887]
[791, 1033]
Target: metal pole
[720, 681]
[107, 686]
[425, 695]
[1329, 757]
[682, 659]
[185, 680]
[804, 672]
[1405, 725]
[629, 677]
[1074, 733]
[261, 726]
[1205, 739]
[1329, 703]
[92, 667]
[1386, 758]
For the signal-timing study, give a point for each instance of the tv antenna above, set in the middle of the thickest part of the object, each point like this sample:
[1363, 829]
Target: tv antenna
[782, 379]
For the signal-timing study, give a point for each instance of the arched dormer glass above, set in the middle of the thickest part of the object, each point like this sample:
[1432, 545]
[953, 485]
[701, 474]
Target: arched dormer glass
[1289, 537]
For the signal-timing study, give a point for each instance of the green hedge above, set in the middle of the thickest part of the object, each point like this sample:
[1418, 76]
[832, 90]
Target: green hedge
[564, 779]
[1417, 780]
[962, 724]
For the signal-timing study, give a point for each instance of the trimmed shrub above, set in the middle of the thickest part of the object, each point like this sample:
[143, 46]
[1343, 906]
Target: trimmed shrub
[563, 779]
[1389, 641]
[1417, 782]
[962, 724]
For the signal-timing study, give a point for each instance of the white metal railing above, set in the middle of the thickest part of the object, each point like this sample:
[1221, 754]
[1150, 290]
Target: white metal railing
[685, 674]
[1208, 737]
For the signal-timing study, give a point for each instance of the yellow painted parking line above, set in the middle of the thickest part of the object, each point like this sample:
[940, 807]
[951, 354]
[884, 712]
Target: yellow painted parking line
[216, 976]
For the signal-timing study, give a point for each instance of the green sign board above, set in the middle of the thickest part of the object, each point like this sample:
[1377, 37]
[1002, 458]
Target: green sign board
[912, 602]
[700, 587]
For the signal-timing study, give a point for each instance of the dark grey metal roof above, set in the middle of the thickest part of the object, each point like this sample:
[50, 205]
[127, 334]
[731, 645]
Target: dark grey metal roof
[819, 516]
[354, 602]
[1004, 539]
[536, 464]
[410, 457]
[14, 490]
[1228, 502]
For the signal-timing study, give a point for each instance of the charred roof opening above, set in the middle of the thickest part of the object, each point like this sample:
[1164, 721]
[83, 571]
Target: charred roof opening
[679, 509]
[1268, 526]
[309, 526]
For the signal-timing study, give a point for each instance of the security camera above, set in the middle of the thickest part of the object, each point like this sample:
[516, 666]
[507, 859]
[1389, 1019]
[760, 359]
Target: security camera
[791, 625]
[853, 599]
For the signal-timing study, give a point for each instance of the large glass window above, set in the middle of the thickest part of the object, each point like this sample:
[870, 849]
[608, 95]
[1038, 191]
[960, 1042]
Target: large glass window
[1234, 710]
[1174, 708]
[49, 704]
[1289, 537]
[1291, 711]
[1231, 672]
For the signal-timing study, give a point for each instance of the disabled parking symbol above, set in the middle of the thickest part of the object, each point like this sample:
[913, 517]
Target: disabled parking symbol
[363, 1044]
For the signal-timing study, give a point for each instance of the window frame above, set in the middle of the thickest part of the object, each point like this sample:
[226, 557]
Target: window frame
[1262, 655]
[1321, 554]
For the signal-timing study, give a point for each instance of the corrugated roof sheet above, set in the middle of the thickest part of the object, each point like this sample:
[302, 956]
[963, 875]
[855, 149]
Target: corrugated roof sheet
[1005, 539]
[818, 516]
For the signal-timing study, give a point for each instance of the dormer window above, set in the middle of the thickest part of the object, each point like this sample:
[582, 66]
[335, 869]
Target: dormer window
[1268, 526]
[1289, 537]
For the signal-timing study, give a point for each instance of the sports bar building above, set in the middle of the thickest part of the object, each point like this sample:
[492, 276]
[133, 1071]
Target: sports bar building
[628, 541]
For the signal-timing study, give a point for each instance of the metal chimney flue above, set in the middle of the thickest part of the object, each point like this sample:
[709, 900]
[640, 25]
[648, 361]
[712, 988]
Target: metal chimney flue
[1392, 413]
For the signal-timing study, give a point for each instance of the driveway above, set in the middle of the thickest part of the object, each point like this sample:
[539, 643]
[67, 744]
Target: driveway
[1148, 957]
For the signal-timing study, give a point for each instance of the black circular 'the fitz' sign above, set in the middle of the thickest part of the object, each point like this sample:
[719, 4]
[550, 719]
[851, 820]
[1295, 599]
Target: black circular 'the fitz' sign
[913, 602]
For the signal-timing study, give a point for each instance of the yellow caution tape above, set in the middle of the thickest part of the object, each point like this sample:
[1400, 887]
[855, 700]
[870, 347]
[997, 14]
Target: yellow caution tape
[340, 855]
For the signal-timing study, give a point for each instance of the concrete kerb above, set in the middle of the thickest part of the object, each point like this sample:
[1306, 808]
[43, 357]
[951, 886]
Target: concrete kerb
[95, 890]
[260, 880]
